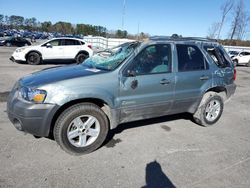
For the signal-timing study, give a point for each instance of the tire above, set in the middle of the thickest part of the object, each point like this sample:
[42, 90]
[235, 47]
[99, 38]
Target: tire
[248, 64]
[80, 58]
[235, 62]
[209, 110]
[72, 135]
[33, 58]
[8, 44]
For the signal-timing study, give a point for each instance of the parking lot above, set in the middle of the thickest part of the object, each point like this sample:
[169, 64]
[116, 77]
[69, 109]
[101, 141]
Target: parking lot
[171, 151]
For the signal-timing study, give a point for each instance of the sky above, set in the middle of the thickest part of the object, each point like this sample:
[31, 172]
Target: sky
[156, 17]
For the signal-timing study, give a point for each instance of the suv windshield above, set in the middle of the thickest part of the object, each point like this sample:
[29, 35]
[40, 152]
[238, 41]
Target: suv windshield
[110, 59]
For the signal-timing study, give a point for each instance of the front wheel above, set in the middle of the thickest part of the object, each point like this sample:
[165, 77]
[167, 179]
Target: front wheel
[8, 44]
[210, 109]
[33, 58]
[81, 129]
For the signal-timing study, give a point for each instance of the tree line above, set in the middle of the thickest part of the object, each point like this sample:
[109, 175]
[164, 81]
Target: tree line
[32, 24]
[235, 12]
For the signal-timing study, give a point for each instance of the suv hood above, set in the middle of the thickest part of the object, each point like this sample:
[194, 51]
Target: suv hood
[56, 74]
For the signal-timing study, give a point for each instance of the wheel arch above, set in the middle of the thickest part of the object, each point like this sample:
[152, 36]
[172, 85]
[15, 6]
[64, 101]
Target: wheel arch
[220, 90]
[82, 52]
[36, 51]
[103, 105]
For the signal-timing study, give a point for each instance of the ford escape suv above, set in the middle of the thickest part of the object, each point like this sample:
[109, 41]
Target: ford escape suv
[79, 104]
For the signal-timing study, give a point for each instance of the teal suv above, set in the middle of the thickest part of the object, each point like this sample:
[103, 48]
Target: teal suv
[79, 104]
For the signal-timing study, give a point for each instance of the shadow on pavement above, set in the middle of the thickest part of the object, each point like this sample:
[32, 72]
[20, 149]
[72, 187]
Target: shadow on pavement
[156, 178]
[145, 122]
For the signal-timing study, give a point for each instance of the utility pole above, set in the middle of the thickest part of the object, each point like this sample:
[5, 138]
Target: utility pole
[123, 13]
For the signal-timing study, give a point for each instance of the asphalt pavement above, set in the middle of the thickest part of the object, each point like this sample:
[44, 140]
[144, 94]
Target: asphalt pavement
[171, 151]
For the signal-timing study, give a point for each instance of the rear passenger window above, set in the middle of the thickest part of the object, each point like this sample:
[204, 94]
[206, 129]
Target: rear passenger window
[70, 42]
[190, 58]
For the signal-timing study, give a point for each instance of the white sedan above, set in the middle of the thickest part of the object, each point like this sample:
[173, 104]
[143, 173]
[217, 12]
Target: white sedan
[58, 49]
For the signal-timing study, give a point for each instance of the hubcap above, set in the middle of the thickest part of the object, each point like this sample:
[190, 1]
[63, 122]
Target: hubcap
[33, 58]
[213, 109]
[83, 130]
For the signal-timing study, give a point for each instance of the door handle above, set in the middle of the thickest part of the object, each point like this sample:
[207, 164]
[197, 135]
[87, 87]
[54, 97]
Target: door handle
[164, 81]
[204, 77]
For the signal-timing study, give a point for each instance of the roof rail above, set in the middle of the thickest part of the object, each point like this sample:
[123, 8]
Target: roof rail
[180, 38]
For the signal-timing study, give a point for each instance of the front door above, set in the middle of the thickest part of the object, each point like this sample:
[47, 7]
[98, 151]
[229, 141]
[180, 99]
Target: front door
[147, 84]
[53, 51]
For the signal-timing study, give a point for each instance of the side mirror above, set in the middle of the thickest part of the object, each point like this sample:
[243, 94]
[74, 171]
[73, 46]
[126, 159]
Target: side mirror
[48, 45]
[131, 73]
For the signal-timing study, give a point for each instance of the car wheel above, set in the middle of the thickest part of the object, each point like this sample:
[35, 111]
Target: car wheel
[33, 58]
[210, 109]
[80, 58]
[235, 62]
[8, 44]
[248, 64]
[81, 129]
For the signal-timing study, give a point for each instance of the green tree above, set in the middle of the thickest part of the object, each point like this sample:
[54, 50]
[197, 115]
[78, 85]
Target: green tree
[16, 20]
[63, 27]
[46, 26]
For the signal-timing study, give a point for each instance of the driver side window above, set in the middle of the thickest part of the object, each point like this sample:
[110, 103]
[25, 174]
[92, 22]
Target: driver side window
[152, 60]
[55, 43]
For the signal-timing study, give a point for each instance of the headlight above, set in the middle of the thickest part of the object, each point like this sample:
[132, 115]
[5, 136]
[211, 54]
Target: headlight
[33, 95]
[19, 50]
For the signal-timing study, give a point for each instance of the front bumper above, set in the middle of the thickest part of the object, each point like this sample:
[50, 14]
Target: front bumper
[18, 57]
[15, 60]
[29, 117]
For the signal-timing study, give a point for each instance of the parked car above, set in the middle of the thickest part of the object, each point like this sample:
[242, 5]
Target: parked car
[233, 53]
[15, 41]
[243, 58]
[79, 104]
[59, 49]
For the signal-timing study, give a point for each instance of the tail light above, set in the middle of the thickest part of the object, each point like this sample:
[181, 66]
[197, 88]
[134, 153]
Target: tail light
[90, 46]
[234, 74]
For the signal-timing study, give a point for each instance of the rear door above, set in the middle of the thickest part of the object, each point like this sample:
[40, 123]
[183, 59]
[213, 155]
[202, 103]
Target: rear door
[192, 77]
[147, 84]
[71, 48]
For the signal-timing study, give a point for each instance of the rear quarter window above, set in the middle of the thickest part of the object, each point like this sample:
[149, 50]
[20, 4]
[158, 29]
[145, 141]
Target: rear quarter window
[218, 55]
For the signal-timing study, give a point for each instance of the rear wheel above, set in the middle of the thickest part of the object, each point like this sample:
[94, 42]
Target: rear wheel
[81, 57]
[33, 58]
[248, 64]
[235, 61]
[8, 44]
[210, 109]
[81, 128]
